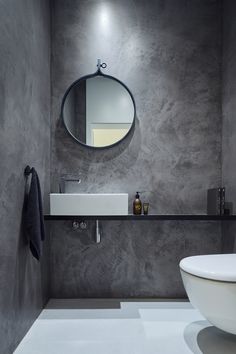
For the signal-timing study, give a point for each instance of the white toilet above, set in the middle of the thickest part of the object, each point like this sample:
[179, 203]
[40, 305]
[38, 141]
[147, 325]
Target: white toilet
[210, 282]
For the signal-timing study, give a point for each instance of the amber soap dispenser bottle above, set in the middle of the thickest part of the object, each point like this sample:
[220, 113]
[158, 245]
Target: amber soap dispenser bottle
[137, 205]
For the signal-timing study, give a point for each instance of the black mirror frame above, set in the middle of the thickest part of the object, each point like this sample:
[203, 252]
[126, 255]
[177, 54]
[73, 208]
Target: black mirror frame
[97, 73]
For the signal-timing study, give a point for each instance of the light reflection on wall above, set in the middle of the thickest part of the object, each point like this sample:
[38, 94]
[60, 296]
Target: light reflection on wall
[104, 18]
[112, 32]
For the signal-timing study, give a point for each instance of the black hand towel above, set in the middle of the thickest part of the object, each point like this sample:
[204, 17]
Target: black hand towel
[33, 216]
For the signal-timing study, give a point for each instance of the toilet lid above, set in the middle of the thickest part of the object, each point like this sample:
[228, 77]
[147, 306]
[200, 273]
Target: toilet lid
[220, 267]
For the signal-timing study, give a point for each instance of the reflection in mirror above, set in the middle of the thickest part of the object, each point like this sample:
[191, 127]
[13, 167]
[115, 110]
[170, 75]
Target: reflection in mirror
[98, 110]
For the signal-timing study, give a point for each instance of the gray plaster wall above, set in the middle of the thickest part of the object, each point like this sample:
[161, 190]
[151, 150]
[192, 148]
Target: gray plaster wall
[229, 121]
[24, 139]
[169, 54]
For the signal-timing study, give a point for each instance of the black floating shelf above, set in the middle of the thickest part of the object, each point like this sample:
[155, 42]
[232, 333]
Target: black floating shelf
[141, 217]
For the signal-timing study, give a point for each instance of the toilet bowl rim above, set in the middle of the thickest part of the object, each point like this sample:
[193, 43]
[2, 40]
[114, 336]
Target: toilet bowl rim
[218, 267]
[207, 279]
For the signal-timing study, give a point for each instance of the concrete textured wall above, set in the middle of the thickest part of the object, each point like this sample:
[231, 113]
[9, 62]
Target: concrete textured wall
[24, 139]
[229, 121]
[169, 55]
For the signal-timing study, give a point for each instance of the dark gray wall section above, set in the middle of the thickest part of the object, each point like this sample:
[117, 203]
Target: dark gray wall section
[229, 121]
[24, 139]
[168, 53]
[134, 259]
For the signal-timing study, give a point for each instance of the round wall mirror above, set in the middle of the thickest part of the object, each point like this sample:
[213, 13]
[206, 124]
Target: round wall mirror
[98, 110]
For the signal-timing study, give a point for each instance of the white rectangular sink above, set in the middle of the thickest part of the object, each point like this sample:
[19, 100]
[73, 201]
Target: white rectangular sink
[88, 204]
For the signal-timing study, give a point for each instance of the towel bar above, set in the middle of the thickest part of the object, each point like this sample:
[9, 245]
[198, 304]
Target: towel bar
[27, 170]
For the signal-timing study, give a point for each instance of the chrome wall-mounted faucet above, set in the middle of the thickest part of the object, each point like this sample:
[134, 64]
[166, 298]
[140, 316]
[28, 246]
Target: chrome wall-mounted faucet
[68, 185]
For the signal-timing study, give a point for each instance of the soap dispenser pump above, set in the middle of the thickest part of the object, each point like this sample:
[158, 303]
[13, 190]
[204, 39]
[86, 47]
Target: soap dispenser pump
[137, 205]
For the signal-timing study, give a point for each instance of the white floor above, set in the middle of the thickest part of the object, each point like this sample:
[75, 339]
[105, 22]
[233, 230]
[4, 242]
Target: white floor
[113, 327]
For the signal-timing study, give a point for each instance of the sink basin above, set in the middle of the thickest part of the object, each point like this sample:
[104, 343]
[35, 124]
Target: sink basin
[88, 204]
